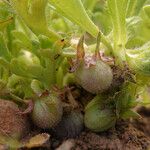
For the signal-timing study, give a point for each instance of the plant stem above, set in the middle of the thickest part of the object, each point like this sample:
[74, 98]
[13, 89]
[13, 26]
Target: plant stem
[50, 73]
[16, 98]
[106, 42]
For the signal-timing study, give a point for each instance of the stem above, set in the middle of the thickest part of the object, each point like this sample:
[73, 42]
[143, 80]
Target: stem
[106, 42]
[90, 4]
[50, 73]
[5, 76]
[59, 77]
[29, 104]
[16, 98]
[97, 54]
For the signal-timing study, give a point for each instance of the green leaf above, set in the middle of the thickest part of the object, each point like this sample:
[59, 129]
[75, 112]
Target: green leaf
[45, 42]
[27, 65]
[47, 53]
[69, 52]
[4, 52]
[145, 96]
[29, 71]
[37, 87]
[68, 79]
[36, 71]
[26, 43]
[125, 97]
[147, 10]
[132, 23]
[139, 59]
[140, 29]
[19, 85]
[59, 77]
[135, 42]
[90, 4]
[74, 11]
[33, 13]
[5, 11]
[103, 20]
[3, 88]
[5, 23]
[4, 63]
[134, 7]
[117, 9]
[129, 114]
[97, 100]
[18, 68]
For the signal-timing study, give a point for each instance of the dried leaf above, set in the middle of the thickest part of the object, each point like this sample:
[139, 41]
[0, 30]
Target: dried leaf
[38, 140]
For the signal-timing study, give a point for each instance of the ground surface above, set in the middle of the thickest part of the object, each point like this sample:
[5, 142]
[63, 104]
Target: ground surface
[129, 135]
[126, 135]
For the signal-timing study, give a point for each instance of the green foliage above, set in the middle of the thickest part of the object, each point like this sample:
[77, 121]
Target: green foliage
[138, 59]
[33, 13]
[76, 13]
[39, 41]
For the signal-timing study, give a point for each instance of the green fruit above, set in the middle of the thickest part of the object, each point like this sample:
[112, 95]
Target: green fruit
[98, 119]
[70, 126]
[47, 111]
[95, 78]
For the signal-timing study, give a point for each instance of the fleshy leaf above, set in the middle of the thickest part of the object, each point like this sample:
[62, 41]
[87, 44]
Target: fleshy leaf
[5, 23]
[29, 71]
[37, 87]
[4, 52]
[45, 41]
[27, 65]
[117, 9]
[74, 11]
[59, 77]
[26, 43]
[130, 114]
[134, 7]
[138, 59]
[125, 97]
[89, 4]
[97, 100]
[33, 13]
[4, 63]
[147, 10]
[20, 86]
[145, 96]
[5, 10]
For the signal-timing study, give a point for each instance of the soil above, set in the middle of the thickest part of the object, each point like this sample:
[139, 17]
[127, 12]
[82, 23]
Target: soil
[127, 135]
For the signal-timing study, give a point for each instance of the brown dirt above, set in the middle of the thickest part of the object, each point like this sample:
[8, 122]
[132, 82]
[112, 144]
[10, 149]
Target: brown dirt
[127, 135]
[11, 122]
[124, 137]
